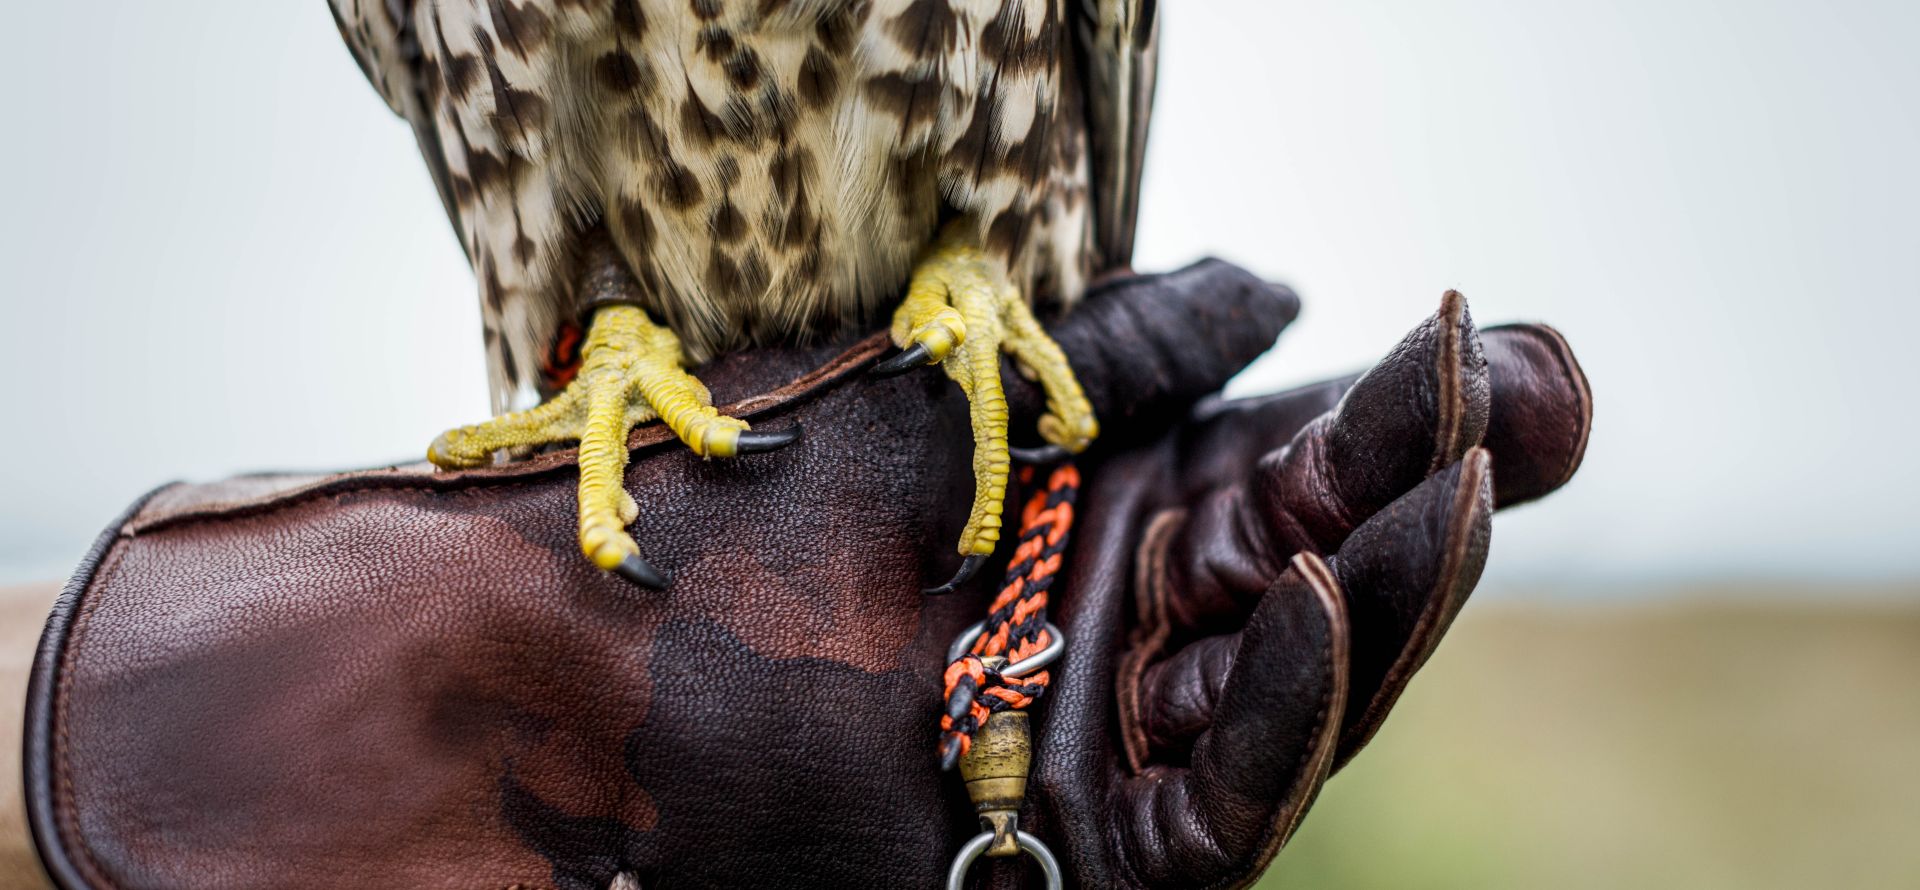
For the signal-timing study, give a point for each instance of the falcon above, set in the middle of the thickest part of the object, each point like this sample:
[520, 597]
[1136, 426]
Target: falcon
[691, 177]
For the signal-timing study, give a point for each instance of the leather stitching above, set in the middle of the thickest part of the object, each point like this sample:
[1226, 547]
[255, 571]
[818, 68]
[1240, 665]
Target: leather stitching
[1441, 605]
[1576, 380]
[1447, 402]
[66, 806]
[1148, 638]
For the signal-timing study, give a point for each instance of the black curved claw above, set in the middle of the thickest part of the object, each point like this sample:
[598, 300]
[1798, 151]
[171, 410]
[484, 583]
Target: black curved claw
[949, 755]
[1045, 454]
[635, 569]
[968, 568]
[909, 358]
[758, 441]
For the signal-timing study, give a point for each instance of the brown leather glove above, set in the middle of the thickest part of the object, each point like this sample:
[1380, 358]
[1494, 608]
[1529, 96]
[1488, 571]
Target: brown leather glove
[408, 678]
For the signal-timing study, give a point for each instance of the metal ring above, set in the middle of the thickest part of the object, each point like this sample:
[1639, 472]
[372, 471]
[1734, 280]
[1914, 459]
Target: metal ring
[1056, 644]
[1049, 866]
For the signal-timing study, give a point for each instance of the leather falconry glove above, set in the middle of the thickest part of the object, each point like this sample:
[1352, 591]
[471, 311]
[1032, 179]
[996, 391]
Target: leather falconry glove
[407, 678]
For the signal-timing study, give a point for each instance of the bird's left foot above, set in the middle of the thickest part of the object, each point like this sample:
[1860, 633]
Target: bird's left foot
[961, 314]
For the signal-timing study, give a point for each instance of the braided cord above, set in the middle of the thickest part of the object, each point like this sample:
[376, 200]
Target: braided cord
[1016, 625]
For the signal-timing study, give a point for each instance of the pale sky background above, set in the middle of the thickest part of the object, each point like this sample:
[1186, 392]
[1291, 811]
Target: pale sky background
[219, 252]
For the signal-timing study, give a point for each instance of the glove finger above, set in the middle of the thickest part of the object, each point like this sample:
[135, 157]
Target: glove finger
[1416, 411]
[1177, 697]
[1257, 767]
[1146, 347]
[1539, 418]
[1405, 573]
[1542, 411]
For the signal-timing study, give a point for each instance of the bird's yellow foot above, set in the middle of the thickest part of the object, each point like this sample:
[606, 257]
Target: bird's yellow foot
[630, 373]
[961, 313]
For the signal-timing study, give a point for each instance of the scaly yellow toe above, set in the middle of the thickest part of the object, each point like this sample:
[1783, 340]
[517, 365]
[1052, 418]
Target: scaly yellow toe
[961, 308]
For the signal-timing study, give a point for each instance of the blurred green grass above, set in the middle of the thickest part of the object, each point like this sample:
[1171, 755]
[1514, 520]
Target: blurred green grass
[1702, 745]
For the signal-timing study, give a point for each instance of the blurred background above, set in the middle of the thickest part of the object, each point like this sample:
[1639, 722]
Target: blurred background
[1697, 666]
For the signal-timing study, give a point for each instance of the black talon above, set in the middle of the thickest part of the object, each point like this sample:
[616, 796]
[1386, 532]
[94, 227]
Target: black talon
[758, 441]
[968, 568]
[909, 358]
[635, 569]
[1045, 454]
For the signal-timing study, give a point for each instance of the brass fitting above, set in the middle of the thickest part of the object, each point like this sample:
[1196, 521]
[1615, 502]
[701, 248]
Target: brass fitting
[995, 769]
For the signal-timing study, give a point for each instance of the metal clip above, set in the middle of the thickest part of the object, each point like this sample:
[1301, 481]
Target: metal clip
[1056, 644]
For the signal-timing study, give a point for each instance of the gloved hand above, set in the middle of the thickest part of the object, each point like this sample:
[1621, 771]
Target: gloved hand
[1249, 593]
[409, 678]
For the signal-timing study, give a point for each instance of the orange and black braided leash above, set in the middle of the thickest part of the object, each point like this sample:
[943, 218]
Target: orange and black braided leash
[1016, 626]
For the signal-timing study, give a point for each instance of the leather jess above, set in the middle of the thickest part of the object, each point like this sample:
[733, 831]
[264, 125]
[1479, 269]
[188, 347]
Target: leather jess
[409, 678]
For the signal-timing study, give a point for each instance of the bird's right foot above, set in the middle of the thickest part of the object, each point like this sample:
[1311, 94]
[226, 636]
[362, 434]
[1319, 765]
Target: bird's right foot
[630, 373]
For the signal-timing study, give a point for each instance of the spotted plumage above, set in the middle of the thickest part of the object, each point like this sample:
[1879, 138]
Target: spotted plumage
[769, 169]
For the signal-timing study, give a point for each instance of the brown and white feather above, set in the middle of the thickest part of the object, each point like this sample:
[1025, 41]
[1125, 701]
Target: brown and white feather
[770, 169]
